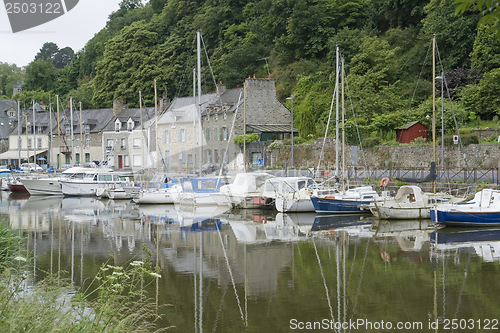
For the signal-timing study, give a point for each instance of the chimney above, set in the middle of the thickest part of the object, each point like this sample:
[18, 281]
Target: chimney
[118, 105]
[221, 88]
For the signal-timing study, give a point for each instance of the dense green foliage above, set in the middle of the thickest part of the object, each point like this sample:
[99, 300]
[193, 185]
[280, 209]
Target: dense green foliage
[386, 47]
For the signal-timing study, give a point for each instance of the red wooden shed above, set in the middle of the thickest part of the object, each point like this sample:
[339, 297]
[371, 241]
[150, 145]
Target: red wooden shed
[411, 131]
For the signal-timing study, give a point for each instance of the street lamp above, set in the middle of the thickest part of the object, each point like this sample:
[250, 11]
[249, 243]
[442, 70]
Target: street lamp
[291, 127]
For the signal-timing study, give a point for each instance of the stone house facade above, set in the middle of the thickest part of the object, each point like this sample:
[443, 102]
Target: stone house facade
[254, 104]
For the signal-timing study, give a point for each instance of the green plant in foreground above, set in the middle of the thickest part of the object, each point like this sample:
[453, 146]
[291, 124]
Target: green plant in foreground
[114, 301]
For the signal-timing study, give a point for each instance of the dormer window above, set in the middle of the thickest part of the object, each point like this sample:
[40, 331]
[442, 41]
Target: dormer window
[68, 130]
[87, 129]
[225, 115]
[216, 116]
[130, 125]
[118, 124]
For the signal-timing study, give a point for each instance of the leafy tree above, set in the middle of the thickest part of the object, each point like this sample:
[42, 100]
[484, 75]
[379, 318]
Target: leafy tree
[482, 99]
[455, 33]
[400, 13]
[128, 65]
[9, 76]
[48, 51]
[63, 57]
[458, 78]
[486, 52]
[490, 12]
[40, 75]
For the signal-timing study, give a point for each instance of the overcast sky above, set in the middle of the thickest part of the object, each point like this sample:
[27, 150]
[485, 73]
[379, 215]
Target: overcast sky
[72, 29]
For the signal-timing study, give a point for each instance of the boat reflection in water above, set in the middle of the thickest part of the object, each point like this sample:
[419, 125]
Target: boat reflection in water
[334, 221]
[484, 241]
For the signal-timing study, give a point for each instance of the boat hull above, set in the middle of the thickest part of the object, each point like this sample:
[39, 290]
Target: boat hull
[328, 205]
[294, 205]
[401, 213]
[42, 186]
[470, 218]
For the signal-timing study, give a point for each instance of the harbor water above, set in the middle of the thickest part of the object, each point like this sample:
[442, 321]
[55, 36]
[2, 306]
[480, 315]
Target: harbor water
[262, 271]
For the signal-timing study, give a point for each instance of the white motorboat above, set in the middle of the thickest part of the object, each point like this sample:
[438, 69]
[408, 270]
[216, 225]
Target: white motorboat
[49, 184]
[246, 186]
[94, 182]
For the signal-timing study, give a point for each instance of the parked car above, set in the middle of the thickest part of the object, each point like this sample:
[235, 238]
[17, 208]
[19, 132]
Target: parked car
[30, 167]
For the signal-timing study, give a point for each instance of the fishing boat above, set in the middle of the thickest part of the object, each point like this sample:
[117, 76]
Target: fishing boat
[410, 202]
[351, 201]
[483, 210]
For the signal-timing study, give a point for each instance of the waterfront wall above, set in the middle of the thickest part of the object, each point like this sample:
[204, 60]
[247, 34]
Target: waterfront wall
[484, 156]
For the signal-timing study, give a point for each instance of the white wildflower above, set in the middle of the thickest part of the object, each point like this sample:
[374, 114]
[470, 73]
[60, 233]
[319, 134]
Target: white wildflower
[155, 275]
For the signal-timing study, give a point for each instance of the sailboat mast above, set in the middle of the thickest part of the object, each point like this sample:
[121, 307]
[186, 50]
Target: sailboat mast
[72, 134]
[337, 114]
[434, 105]
[343, 130]
[194, 121]
[156, 132]
[198, 43]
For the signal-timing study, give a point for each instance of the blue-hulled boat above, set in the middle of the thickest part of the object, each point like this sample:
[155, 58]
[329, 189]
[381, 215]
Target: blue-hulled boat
[349, 202]
[483, 210]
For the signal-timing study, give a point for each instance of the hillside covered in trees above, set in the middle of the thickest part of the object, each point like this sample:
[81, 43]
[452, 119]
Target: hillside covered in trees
[386, 45]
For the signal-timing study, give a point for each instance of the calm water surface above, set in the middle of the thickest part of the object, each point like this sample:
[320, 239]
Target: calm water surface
[258, 271]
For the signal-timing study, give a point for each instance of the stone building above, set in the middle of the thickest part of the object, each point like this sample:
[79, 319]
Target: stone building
[253, 105]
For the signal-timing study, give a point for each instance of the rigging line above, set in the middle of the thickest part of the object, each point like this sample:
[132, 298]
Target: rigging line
[360, 279]
[419, 77]
[454, 118]
[211, 71]
[327, 124]
[356, 124]
[216, 321]
[179, 87]
[462, 287]
[230, 273]
[225, 154]
[324, 283]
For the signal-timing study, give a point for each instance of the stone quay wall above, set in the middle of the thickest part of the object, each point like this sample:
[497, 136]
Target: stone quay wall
[478, 156]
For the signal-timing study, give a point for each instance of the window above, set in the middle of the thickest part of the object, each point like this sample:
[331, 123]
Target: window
[127, 161]
[110, 143]
[77, 158]
[87, 140]
[182, 156]
[87, 157]
[168, 136]
[29, 143]
[117, 126]
[77, 142]
[137, 143]
[124, 143]
[210, 156]
[39, 143]
[224, 134]
[68, 130]
[225, 114]
[215, 133]
[137, 160]
[11, 113]
[87, 129]
[207, 134]
[180, 135]
[190, 158]
[216, 116]
[130, 125]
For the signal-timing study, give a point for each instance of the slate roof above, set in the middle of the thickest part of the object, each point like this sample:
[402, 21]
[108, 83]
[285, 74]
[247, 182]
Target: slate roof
[410, 124]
